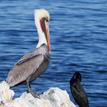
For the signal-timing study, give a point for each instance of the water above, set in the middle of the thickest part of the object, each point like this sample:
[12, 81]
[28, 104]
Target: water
[78, 39]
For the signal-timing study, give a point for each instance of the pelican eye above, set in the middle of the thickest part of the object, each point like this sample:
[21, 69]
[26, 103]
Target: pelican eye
[46, 19]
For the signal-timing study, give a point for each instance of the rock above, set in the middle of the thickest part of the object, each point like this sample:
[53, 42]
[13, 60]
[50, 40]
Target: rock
[6, 94]
[58, 98]
[54, 97]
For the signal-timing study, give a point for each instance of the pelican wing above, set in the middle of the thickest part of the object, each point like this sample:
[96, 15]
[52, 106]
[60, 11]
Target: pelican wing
[27, 57]
[25, 67]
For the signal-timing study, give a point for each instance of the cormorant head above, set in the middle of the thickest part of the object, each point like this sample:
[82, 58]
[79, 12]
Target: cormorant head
[76, 77]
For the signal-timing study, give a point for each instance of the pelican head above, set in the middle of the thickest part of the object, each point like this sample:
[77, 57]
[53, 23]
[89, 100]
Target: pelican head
[42, 18]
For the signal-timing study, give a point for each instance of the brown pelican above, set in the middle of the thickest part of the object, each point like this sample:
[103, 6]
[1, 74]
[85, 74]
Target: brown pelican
[77, 90]
[31, 65]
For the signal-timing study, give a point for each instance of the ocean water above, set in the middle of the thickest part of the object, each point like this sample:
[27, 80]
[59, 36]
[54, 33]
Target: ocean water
[78, 31]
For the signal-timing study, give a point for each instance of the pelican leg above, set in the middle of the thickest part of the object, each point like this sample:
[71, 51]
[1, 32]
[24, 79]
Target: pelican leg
[29, 87]
[30, 90]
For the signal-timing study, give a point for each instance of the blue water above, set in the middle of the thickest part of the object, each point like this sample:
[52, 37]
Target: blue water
[78, 39]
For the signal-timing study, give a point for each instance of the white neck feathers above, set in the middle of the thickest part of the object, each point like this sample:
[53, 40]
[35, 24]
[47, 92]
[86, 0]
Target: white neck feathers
[41, 35]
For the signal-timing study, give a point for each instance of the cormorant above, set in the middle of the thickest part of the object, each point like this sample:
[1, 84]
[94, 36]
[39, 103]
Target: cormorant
[78, 91]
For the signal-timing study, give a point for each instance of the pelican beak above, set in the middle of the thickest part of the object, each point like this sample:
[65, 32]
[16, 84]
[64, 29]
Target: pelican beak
[45, 28]
[47, 34]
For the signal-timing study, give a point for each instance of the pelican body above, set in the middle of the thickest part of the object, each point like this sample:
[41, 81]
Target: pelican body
[33, 64]
[78, 91]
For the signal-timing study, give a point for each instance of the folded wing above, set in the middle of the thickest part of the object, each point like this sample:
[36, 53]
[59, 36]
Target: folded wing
[25, 67]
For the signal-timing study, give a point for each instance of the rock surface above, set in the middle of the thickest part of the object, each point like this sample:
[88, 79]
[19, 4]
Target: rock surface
[54, 97]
